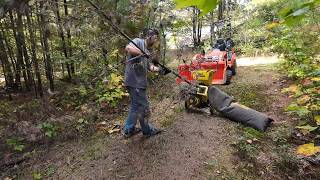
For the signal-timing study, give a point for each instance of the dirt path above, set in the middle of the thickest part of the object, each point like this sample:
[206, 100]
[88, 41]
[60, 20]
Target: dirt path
[193, 145]
[253, 61]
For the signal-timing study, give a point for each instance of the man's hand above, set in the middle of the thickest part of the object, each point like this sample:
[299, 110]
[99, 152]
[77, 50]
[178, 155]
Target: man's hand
[164, 71]
[154, 68]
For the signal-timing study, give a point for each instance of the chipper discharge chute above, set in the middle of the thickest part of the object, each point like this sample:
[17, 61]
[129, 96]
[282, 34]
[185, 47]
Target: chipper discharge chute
[223, 103]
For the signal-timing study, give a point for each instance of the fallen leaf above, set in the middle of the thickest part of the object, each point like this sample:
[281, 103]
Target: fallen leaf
[308, 149]
[272, 25]
[292, 88]
[303, 100]
[102, 126]
[249, 141]
[306, 129]
[315, 79]
[317, 119]
[114, 129]
[306, 82]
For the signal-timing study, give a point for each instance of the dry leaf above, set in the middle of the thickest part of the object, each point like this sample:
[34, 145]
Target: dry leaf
[303, 100]
[315, 79]
[114, 129]
[102, 126]
[308, 149]
[292, 89]
[306, 82]
[306, 129]
[317, 119]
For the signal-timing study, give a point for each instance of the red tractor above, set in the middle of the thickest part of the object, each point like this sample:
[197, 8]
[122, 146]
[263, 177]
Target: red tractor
[221, 59]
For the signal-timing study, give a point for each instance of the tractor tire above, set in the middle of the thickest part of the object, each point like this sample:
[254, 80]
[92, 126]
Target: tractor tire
[234, 68]
[229, 76]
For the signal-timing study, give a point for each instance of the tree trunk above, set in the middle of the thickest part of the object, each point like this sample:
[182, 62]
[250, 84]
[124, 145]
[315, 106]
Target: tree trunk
[196, 27]
[220, 14]
[199, 29]
[221, 10]
[45, 35]
[8, 48]
[69, 37]
[38, 88]
[19, 64]
[20, 32]
[61, 34]
[164, 45]
[211, 29]
[5, 64]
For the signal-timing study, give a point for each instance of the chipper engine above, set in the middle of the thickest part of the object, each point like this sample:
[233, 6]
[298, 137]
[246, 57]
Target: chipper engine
[196, 96]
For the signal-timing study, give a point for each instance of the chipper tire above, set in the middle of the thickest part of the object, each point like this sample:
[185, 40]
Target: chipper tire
[228, 77]
[234, 68]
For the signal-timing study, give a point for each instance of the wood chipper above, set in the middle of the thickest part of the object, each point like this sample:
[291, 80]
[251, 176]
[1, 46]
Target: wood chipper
[196, 96]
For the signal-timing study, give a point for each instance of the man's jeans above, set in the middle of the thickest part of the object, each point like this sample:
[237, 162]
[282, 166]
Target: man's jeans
[139, 109]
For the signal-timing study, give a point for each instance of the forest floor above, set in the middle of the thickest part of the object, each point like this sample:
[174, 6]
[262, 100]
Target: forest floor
[193, 145]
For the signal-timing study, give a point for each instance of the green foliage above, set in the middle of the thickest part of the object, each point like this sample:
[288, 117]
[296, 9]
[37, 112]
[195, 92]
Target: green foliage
[31, 106]
[291, 29]
[81, 123]
[6, 109]
[36, 175]
[251, 133]
[287, 163]
[301, 111]
[204, 5]
[281, 136]
[16, 144]
[49, 129]
[247, 146]
[73, 97]
[111, 92]
[306, 129]
[50, 170]
[295, 14]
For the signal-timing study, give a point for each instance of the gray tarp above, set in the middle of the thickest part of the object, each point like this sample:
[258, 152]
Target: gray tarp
[222, 102]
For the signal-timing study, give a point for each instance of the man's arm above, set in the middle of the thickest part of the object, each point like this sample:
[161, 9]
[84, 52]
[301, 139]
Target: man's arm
[132, 50]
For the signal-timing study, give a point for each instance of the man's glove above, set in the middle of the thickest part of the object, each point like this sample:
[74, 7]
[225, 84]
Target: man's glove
[164, 71]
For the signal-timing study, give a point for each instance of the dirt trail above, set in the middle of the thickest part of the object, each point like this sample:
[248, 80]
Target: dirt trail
[252, 61]
[193, 145]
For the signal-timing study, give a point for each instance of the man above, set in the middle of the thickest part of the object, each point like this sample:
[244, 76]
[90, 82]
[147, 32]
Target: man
[136, 69]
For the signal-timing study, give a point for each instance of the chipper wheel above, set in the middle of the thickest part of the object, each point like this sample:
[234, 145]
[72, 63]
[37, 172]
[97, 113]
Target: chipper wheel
[191, 102]
[234, 68]
[228, 76]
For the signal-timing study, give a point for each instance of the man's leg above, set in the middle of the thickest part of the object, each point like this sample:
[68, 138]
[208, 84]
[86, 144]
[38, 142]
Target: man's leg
[131, 120]
[144, 113]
